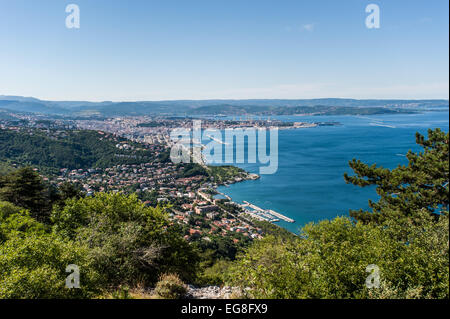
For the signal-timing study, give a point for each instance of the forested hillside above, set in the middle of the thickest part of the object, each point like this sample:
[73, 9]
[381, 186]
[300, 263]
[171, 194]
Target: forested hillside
[52, 150]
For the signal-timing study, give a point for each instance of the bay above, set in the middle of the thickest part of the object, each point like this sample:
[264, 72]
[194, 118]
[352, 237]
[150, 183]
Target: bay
[309, 184]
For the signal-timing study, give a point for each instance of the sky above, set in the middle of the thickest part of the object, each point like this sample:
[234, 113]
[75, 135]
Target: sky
[224, 49]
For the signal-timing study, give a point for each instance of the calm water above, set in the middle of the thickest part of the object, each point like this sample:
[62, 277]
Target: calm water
[309, 184]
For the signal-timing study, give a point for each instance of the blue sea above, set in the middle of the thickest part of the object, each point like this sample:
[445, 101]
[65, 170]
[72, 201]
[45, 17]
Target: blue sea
[309, 184]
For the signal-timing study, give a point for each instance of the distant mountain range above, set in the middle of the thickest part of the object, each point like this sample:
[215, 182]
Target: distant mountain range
[216, 107]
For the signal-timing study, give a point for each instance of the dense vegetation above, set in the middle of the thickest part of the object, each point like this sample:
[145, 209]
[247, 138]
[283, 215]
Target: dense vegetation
[330, 261]
[66, 149]
[220, 174]
[5, 168]
[113, 238]
[225, 172]
[130, 243]
[193, 169]
[274, 230]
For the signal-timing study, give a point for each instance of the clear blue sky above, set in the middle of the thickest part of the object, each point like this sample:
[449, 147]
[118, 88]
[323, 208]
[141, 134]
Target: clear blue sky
[195, 49]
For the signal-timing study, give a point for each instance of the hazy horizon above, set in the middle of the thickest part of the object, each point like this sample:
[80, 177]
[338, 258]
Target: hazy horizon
[3, 96]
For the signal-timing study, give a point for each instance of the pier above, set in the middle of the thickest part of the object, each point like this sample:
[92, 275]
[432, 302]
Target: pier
[280, 216]
[267, 213]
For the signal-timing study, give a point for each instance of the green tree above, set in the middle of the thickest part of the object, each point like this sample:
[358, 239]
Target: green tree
[17, 222]
[70, 190]
[407, 189]
[25, 188]
[33, 261]
[329, 260]
[130, 243]
[35, 267]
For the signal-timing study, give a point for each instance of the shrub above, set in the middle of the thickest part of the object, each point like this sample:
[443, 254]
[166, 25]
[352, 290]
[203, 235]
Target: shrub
[17, 222]
[129, 243]
[330, 260]
[170, 286]
[121, 293]
[214, 275]
[35, 267]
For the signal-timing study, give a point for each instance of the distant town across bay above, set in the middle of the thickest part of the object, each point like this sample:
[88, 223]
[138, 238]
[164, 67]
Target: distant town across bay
[326, 106]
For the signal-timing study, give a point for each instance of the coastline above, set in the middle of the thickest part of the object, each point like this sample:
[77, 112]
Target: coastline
[255, 212]
[309, 185]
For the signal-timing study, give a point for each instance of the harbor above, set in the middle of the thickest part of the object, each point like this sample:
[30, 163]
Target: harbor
[266, 214]
[256, 212]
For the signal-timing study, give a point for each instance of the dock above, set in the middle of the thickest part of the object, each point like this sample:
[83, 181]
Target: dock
[224, 195]
[280, 216]
[268, 212]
